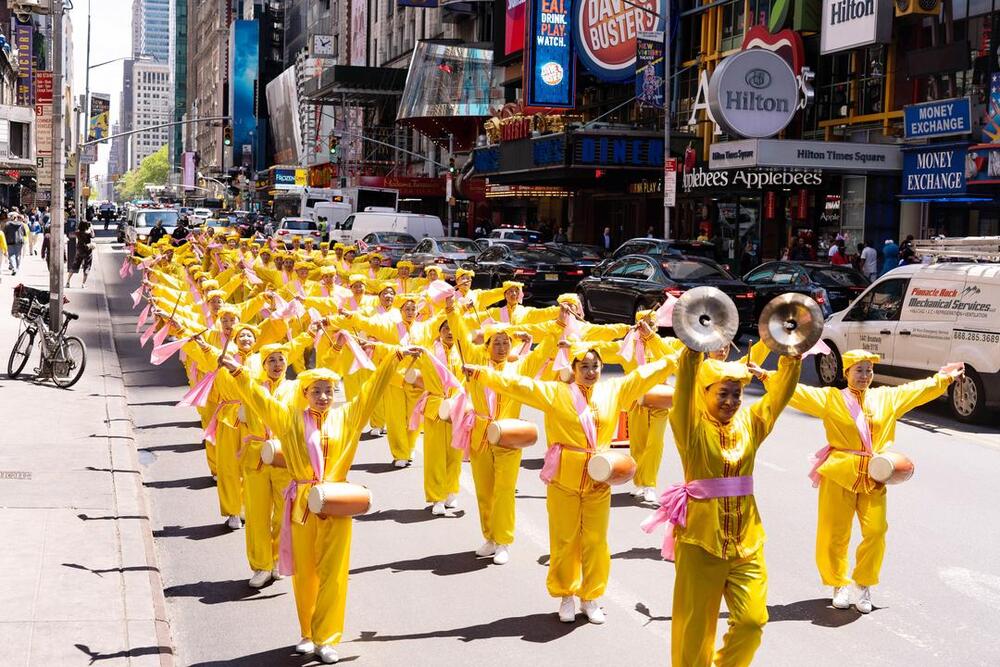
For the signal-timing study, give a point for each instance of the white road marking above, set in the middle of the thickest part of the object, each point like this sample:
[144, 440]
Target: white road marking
[980, 586]
[772, 466]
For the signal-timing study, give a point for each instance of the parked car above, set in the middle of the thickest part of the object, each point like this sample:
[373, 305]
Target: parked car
[833, 287]
[359, 225]
[391, 244]
[584, 256]
[637, 282]
[291, 227]
[486, 244]
[447, 253]
[107, 211]
[920, 317]
[517, 233]
[546, 274]
[655, 248]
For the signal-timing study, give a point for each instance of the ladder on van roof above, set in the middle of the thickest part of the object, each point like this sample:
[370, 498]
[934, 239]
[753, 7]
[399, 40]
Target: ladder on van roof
[968, 248]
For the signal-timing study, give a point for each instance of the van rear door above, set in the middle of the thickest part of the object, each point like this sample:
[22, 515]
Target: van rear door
[923, 338]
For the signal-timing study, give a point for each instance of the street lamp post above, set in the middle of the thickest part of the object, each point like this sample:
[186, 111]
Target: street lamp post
[57, 239]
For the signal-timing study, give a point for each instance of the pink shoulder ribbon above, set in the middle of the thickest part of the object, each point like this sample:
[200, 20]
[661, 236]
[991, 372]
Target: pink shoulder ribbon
[633, 347]
[553, 455]
[462, 421]
[864, 432]
[404, 335]
[674, 501]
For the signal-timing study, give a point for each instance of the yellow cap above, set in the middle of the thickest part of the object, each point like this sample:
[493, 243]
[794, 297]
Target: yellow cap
[712, 371]
[405, 264]
[328, 271]
[852, 357]
[310, 377]
[509, 284]
[386, 284]
[246, 326]
[212, 293]
[356, 278]
[569, 298]
[401, 299]
[641, 315]
[228, 308]
[269, 349]
[461, 273]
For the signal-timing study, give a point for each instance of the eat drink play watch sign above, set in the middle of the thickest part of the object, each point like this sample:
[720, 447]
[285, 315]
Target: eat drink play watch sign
[605, 33]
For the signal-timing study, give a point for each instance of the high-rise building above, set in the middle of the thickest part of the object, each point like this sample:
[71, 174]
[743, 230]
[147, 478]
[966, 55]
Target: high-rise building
[208, 42]
[151, 102]
[178, 77]
[151, 29]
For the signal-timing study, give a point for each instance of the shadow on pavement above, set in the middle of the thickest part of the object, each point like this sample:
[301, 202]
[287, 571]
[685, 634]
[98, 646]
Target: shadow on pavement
[205, 532]
[376, 468]
[626, 500]
[639, 553]
[179, 448]
[218, 592]
[817, 611]
[96, 656]
[193, 483]
[535, 628]
[278, 657]
[187, 424]
[532, 464]
[404, 516]
[86, 517]
[443, 565]
[119, 570]
[112, 470]
[164, 403]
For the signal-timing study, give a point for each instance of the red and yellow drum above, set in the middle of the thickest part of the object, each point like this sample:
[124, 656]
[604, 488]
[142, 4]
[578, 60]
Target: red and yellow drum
[271, 454]
[890, 468]
[339, 499]
[512, 433]
[612, 468]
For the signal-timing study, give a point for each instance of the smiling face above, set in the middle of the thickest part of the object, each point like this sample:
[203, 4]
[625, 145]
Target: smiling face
[723, 400]
[228, 321]
[587, 371]
[320, 395]
[721, 354]
[302, 273]
[513, 296]
[275, 365]
[245, 340]
[386, 297]
[215, 303]
[404, 272]
[499, 347]
[350, 255]
[860, 375]
[287, 264]
[358, 289]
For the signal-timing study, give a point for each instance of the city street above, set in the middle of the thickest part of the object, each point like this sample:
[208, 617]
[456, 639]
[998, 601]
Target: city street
[418, 596]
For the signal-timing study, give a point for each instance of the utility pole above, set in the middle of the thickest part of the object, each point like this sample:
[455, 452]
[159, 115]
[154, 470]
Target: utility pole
[667, 81]
[57, 240]
[450, 183]
[84, 127]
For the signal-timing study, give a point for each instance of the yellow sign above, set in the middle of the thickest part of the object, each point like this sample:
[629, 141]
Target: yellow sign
[302, 177]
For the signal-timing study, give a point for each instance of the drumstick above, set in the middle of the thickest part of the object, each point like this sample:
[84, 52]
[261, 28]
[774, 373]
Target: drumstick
[224, 348]
[176, 303]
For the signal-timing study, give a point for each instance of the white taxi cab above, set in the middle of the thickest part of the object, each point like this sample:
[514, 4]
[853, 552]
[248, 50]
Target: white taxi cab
[920, 317]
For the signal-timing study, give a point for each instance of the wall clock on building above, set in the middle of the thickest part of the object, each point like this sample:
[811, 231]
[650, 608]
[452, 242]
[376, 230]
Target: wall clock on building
[323, 45]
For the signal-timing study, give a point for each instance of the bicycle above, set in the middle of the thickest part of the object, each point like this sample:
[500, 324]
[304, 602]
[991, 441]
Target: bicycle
[63, 358]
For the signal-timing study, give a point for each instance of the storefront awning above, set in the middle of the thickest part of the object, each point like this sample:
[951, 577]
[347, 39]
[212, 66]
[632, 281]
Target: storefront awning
[353, 85]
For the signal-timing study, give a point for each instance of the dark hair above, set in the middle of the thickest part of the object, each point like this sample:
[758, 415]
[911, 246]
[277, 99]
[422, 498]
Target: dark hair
[596, 354]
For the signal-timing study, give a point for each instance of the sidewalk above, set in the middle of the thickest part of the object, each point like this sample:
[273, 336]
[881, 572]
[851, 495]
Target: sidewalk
[81, 582]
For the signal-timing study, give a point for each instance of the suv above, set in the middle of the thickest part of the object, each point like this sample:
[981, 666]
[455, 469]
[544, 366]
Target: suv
[289, 227]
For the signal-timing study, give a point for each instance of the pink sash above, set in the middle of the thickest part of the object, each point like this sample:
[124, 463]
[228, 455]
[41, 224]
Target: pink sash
[553, 455]
[438, 291]
[161, 335]
[633, 347]
[144, 338]
[673, 504]
[864, 432]
[137, 296]
[143, 316]
[665, 313]
[213, 423]
[463, 419]
[313, 445]
[197, 396]
[361, 358]
[164, 351]
[404, 335]
[504, 315]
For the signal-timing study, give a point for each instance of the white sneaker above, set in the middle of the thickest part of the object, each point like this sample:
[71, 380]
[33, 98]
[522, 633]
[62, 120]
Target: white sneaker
[502, 555]
[638, 491]
[327, 654]
[593, 611]
[305, 646]
[864, 601]
[488, 549]
[438, 509]
[398, 463]
[567, 609]
[260, 578]
[451, 502]
[234, 522]
[841, 597]
[649, 495]
[277, 576]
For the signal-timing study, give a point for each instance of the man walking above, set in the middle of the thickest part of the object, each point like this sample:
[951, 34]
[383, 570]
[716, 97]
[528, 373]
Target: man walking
[14, 233]
[869, 261]
[890, 256]
[606, 239]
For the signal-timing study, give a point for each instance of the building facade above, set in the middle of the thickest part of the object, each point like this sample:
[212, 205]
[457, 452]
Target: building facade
[151, 104]
[151, 29]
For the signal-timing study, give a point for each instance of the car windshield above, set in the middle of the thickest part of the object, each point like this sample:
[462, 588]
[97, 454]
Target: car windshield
[150, 218]
[690, 269]
[394, 237]
[579, 252]
[527, 235]
[830, 277]
[217, 222]
[458, 245]
[299, 225]
[536, 256]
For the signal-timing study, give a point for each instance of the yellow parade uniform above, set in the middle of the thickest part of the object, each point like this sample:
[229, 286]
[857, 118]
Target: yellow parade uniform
[522, 314]
[720, 551]
[578, 507]
[321, 547]
[442, 462]
[845, 489]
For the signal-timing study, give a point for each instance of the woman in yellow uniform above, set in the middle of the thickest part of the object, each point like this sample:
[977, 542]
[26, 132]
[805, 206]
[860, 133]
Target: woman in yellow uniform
[719, 537]
[319, 443]
[512, 312]
[580, 419]
[494, 468]
[859, 423]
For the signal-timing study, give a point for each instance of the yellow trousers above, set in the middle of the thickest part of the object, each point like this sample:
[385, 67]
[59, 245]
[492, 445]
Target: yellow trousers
[230, 484]
[399, 402]
[206, 414]
[494, 470]
[442, 462]
[263, 500]
[377, 420]
[579, 557]
[837, 508]
[322, 554]
[646, 432]
[701, 581]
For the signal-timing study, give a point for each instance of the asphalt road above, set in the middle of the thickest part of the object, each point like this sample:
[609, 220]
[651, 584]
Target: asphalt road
[418, 596]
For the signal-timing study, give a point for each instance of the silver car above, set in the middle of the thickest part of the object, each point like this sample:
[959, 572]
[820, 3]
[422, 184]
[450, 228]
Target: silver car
[446, 252]
[292, 227]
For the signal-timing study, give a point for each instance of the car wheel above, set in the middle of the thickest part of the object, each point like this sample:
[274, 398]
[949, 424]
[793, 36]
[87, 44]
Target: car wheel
[830, 367]
[967, 397]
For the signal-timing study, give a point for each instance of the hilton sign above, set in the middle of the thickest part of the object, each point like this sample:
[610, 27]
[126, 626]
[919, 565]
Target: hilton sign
[848, 24]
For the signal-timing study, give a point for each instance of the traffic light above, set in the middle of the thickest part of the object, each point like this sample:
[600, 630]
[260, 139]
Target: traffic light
[451, 166]
[227, 135]
[334, 146]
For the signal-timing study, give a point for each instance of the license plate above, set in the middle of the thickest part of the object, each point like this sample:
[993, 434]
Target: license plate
[552, 276]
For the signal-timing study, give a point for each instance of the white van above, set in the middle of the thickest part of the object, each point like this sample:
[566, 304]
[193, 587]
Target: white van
[358, 225]
[335, 212]
[920, 317]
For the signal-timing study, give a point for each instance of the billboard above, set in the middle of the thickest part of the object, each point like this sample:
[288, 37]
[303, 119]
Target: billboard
[100, 108]
[244, 59]
[43, 132]
[649, 69]
[187, 165]
[514, 26]
[24, 37]
[605, 34]
[283, 110]
[359, 33]
[549, 66]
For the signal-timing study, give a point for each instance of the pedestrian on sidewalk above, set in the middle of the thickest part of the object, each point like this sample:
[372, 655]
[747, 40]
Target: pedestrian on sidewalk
[35, 239]
[15, 233]
[84, 253]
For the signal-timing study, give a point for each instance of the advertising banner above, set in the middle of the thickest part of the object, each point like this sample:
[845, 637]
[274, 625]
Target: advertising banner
[24, 40]
[550, 70]
[649, 69]
[43, 132]
[857, 158]
[670, 182]
[941, 118]
[243, 83]
[514, 26]
[43, 87]
[100, 108]
[188, 169]
[359, 33]
[605, 34]
[982, 165]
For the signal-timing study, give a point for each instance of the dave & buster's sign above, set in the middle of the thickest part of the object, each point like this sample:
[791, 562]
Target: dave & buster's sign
[605, 33]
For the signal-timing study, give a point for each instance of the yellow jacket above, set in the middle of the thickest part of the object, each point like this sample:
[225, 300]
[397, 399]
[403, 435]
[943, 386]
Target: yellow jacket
[882, 407]
[724, 527]
[522, 314]
[562, 423]
[341, 429]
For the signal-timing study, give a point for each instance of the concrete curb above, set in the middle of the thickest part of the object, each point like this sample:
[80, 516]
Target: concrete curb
[135, 537]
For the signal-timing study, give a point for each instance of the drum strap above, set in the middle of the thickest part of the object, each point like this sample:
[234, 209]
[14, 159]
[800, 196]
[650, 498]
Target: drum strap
[673, 504]
[820, 457]
[286, 563]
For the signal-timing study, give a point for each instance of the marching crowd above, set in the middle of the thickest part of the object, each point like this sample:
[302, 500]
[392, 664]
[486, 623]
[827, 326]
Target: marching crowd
[418, 355]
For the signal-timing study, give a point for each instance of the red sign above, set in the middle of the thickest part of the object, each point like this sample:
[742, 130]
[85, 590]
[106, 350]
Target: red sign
[770, 205]
[803, 204]
[43, 87]
[408, 186]
[605, 33]
[514, 26]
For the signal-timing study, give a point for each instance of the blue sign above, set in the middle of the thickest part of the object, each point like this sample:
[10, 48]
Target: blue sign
[650, 70]
[486, 160]
[934, 170]
[619, 152]
[549, 66]
[424, 4]
[243, 76]
[546, 152]
[942, 118]
[284, 177]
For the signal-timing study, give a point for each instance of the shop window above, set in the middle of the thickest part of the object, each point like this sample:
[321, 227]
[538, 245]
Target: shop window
[732, 25]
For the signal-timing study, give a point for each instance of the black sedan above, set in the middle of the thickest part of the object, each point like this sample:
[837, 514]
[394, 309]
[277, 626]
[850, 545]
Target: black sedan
[546, 274]
[656, 249]
[584, 256]
[833, 287]
[638, 282]
[393, 245]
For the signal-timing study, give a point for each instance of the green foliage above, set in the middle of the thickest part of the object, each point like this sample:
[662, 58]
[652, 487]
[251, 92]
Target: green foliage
[153, 170]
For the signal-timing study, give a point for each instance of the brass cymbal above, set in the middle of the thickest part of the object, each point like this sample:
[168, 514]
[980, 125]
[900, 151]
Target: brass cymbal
[790, 324]
[705, 319]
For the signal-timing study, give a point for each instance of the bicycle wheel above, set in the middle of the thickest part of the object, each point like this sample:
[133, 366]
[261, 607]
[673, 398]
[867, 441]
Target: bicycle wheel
[20, 354]
[68, 361]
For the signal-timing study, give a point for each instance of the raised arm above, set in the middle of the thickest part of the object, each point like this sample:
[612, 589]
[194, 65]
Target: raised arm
[360, 409]
[275, 414]
[523, 389]
[635, 384]
[684, 413]
[907, 396]
[781, 388]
